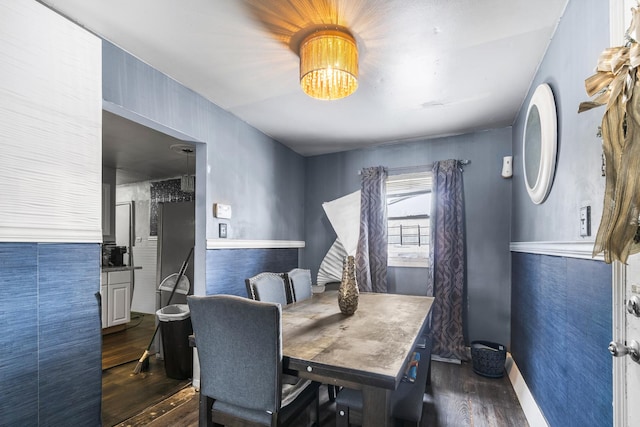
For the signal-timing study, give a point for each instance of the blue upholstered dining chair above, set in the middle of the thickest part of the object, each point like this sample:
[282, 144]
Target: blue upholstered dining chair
[239, 344]
[300, 282]
[269, 287]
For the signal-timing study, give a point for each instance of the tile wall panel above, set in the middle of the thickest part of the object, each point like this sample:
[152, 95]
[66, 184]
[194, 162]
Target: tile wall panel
[19, 336]
[145, 255]
[561, 326]
[166, 191]
[228, 268]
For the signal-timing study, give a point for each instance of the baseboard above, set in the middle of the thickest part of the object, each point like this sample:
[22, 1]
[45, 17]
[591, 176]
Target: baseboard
[532, 412]
[113, 329]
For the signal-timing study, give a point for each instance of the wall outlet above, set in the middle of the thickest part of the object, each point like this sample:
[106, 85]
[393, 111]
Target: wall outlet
[585, 221]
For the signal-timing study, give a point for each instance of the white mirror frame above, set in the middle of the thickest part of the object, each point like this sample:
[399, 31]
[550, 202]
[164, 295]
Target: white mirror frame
[543, 100]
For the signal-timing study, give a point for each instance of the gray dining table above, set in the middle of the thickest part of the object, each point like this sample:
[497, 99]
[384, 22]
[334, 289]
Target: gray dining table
[367, 351]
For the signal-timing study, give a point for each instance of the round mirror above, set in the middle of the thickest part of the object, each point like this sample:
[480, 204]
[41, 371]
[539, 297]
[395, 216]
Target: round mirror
[539, 144]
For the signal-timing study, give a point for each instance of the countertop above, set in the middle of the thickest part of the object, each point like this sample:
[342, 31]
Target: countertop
[120, 268]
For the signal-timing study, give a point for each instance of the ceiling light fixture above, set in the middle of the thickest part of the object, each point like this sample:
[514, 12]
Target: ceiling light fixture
[187, 181]
[329, 64]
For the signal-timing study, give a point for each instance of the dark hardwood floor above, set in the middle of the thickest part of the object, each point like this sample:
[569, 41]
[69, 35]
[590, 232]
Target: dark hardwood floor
[129, 344]
[457, 397]
[125, 394]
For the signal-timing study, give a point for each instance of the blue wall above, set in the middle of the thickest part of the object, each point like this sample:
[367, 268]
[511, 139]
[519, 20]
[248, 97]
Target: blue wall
[583, 33]
[50, 348]
[228, 268]
[260, 178]
[561, 312]
[488, 215]
[561, 327]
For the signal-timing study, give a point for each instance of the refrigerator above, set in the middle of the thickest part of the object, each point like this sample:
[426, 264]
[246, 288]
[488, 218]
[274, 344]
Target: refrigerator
[176, 237]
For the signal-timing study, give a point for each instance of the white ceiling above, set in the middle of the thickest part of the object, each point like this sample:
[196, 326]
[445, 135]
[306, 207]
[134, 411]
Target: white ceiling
[428, 68]
[139, 153]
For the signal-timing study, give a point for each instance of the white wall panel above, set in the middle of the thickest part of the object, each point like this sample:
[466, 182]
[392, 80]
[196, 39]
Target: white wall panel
[50, 127]
[145, 255]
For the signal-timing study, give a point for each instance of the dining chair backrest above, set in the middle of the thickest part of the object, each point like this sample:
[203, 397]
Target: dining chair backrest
[267, 287]
[240, 350]
[300, 281]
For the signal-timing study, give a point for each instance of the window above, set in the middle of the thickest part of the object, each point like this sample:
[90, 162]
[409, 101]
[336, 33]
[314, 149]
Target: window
[408, 209]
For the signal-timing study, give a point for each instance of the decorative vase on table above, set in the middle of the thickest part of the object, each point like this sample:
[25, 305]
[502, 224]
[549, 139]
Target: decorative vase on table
[348, 292]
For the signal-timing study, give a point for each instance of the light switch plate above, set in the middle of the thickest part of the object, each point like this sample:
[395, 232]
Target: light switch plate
[585, 221]
[222, 211]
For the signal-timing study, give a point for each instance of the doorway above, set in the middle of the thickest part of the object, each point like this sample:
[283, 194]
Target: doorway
[139, 154]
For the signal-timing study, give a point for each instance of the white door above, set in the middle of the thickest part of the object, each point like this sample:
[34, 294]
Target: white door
[626, 285]
[633, 333]
[627, 344]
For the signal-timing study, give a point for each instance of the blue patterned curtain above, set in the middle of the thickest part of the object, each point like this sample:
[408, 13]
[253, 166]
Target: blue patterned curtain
[371, 255]
[447, 260]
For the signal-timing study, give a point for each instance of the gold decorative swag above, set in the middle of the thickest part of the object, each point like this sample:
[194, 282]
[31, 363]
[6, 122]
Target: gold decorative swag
[615, 85]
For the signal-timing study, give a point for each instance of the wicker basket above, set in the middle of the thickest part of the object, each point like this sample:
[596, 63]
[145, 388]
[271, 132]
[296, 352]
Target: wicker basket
[488, 358]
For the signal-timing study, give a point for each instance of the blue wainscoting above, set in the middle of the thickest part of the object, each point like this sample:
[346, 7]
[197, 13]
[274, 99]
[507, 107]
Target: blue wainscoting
[560, 330]
[50, 344]
[227, 269]
[19, 334]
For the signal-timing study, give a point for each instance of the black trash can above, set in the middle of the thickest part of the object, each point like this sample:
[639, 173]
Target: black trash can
[488, 358]
[175, 328]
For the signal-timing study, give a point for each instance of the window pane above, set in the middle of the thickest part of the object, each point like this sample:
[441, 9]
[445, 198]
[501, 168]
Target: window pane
[409, 241]
[408, 209]
[413, 205]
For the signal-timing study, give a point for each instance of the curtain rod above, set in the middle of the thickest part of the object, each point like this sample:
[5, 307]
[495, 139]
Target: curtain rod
[418, 167]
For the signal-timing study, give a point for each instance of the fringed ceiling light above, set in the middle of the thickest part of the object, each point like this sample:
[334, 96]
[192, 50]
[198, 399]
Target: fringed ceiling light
[329, 64]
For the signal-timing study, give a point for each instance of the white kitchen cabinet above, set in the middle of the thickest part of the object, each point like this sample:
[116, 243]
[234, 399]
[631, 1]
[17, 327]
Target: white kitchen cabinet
[119, 303]
[116, 298]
